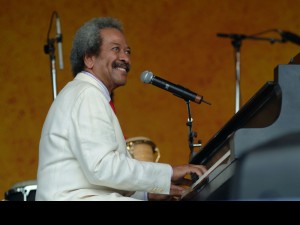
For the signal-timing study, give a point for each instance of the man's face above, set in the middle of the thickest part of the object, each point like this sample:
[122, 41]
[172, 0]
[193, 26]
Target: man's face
[113, 63]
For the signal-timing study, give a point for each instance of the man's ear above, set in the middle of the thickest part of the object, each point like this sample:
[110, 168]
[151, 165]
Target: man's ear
[89, 61]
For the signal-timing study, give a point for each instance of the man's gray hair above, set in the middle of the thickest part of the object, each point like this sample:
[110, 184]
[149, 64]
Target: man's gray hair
[87, 40]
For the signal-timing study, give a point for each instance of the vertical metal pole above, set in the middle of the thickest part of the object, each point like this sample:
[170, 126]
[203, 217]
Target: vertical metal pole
[53, 76]
[237, 82]
[237, 46]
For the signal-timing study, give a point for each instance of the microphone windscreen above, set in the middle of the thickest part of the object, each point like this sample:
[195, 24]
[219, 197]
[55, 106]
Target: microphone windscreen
[291, 37]
[146, 77]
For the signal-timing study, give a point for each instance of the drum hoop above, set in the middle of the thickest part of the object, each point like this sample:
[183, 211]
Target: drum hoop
[154, 148]
[130, 142]
[24, 183]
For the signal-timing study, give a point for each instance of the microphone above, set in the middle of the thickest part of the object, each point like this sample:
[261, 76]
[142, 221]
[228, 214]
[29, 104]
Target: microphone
[288, 36]
[59, 42]
[177, 90]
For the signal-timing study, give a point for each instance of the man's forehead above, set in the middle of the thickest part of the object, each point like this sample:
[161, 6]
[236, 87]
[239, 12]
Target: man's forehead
[113, 36]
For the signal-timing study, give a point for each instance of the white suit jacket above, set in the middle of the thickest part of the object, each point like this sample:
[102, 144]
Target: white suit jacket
[82, 151]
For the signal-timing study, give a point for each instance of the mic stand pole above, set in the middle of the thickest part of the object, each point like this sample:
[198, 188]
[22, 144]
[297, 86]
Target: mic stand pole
[49, 49]
[192, 134]
[236, 43]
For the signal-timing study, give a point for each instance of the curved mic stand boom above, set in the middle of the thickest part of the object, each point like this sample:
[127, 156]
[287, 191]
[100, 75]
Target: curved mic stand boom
[50, 49]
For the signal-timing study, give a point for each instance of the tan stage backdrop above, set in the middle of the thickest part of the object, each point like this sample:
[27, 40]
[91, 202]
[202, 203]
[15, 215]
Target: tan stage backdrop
[174, 39]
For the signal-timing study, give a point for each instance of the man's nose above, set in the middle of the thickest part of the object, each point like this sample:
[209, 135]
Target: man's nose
[123, 55]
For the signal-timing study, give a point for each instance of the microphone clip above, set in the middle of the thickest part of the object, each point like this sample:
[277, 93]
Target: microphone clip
[59, 38]
[49, 47]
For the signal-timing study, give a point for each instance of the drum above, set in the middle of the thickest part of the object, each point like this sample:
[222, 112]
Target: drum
[22, 191]
[143, 149]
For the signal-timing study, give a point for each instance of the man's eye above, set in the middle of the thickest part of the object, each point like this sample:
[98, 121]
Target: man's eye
[116, 49]
[128, 52]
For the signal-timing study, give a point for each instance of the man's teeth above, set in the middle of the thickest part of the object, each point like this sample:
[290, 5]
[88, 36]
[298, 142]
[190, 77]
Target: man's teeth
[119, 68]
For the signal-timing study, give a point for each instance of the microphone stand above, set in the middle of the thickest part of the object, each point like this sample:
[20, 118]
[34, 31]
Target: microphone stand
[236, 43]
[192, 134]
[50, 49]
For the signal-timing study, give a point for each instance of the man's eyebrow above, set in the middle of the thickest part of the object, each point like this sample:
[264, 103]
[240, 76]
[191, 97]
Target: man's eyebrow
[116, 43]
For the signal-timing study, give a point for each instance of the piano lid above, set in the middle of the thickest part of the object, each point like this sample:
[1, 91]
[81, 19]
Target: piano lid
[271, 112]
[268, 116]
[288, 79]
[248, 116]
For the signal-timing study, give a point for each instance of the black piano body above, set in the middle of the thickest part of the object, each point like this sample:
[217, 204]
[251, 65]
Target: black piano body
[272, 114]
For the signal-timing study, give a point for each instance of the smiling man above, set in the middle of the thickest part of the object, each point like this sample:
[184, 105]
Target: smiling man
[82, 152]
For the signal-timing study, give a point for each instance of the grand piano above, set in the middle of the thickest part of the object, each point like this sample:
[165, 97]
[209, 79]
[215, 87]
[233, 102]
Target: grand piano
[256, 155]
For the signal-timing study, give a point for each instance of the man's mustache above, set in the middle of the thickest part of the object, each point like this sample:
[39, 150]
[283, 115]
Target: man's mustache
[124, 65]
